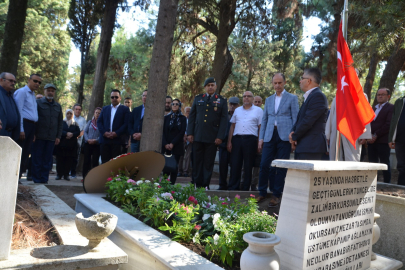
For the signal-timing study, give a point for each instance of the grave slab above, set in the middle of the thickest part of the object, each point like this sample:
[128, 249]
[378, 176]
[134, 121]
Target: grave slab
[327, 214]
[9, 169]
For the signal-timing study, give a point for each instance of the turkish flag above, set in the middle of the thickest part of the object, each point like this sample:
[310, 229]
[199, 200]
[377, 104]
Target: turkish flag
[353, 112]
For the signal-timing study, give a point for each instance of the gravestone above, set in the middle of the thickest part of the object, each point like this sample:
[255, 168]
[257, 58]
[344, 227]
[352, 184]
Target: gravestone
[9, 169]
[327, 214]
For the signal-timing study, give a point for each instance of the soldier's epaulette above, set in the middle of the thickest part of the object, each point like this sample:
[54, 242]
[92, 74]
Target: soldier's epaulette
[199, 95]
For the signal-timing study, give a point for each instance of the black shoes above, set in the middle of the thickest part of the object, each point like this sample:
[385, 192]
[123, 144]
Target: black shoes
[58, 177]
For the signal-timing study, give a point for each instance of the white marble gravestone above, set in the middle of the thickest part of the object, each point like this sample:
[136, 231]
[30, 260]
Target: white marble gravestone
[326, 214]
[9, 169]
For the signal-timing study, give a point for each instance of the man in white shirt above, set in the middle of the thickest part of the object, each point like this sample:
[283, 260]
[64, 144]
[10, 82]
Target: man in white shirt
[77, 109]
[280, 114]
[242, 141]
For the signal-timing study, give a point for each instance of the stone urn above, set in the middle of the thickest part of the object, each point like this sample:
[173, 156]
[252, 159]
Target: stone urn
[260, 254]
[96, 227]
[376, 234]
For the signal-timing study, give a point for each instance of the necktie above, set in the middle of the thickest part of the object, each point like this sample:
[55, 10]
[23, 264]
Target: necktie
[208, 98]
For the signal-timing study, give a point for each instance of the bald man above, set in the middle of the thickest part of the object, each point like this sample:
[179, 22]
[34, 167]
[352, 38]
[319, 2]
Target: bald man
[242, 141]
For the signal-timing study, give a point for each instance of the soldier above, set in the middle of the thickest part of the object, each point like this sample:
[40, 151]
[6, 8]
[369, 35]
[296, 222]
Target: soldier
[206, 129]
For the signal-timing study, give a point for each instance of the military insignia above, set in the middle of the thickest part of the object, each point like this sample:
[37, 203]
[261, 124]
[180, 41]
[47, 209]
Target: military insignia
[216, 96]
[204, 95]
[215, 108]
[201, 100]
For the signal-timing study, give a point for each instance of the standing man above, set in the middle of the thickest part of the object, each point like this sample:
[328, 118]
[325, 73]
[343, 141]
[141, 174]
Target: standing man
[126, 139]
[112, 124]
[27, 106]
[206, 130]
[396, 137]
[48, 132]
[135, 124]
[9, 114]
[258, 101]
[308, 133]
[242, 141]
[378, 148]
[168, 105]
[77, 110]
[224, 155]
[280, 114]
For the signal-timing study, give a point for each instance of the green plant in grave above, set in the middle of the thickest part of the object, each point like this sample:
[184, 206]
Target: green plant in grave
[155, 210]
[225, 244]
[183, 222]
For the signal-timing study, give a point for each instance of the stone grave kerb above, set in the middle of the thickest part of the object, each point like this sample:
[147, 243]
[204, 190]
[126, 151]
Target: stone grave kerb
[326, 214]
[9, 171]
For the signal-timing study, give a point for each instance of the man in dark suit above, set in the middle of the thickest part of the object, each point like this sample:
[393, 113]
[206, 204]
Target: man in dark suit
[135, 124]
[206, 129]
[378, 148]
[9, 114]
[112, 124]
[307, 135]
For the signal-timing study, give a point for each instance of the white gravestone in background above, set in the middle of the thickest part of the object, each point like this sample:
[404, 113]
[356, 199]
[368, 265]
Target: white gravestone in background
[327, 214]
[10, 156]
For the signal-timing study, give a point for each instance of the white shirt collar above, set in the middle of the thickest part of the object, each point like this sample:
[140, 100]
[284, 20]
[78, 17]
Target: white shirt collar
[308, 92]
[280, 94]
[378, 106]
[115, 106]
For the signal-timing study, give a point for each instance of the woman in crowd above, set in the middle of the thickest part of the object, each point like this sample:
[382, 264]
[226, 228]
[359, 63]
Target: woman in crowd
[66, 150]
[91, 148]
[174, 127]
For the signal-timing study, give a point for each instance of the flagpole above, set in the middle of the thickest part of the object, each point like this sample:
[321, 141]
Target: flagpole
[345, 16]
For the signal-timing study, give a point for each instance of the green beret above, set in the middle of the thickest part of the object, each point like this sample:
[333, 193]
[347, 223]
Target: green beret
[209, 80]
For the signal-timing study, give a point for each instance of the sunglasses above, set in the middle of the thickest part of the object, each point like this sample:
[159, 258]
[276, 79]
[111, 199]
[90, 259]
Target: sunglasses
[12, 81]
[36, 81]
[114, 97]
[175, 104]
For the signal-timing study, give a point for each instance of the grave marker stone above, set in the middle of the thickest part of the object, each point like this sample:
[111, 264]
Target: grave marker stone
[327, 214]
[9, 169]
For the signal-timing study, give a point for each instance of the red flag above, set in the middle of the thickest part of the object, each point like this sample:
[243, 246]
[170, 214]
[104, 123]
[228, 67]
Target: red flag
[353, 112]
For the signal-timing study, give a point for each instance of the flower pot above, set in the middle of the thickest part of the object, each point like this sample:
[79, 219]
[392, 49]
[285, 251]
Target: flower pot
[376, 234]
[260, 254]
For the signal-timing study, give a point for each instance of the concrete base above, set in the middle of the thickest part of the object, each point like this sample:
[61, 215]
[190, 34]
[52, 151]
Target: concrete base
[147, 248]
[385, 263]
[73, 254]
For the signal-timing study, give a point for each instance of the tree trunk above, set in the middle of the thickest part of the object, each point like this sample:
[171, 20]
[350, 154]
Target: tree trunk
[103, 53]
[13, 35]
[223, 60]
[392, 69]
[83, 66]
[152, 129]
[371, 75]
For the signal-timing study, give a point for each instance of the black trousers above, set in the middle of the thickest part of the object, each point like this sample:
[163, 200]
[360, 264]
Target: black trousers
[91, 155]
[400, 153]
[244, 149]
[173, 175]
[224, 159]
[109, 151]
[63, 165]
[203, 163]
[26, 145]
[308, 156]
[380, 153]
[75, 161]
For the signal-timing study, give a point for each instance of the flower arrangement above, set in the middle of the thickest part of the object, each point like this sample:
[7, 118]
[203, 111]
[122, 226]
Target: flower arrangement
[190, 215]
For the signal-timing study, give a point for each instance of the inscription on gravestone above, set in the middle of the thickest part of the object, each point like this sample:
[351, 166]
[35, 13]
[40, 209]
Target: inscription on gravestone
[326, 216]
[340, 221]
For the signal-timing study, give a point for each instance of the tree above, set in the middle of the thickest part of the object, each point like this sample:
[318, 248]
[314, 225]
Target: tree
[13, 36]
[84, 18]
[103, 54]
[159, 76]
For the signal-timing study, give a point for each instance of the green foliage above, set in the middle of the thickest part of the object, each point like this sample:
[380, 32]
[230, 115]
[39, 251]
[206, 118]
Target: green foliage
[190, 215]
[46, 44]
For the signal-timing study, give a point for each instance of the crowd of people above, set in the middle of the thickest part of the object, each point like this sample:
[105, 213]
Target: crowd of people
[247, 137]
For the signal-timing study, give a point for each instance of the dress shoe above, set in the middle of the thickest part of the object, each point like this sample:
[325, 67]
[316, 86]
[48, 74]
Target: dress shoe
[29, 178]
[179, 175]
[260, 199]
[253, 188]
[58, 177]
[67, 178]
[221, 188]
[185, 175]
[274, 202]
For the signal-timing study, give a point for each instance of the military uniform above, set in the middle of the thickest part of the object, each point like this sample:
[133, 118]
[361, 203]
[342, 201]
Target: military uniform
[208, 121]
